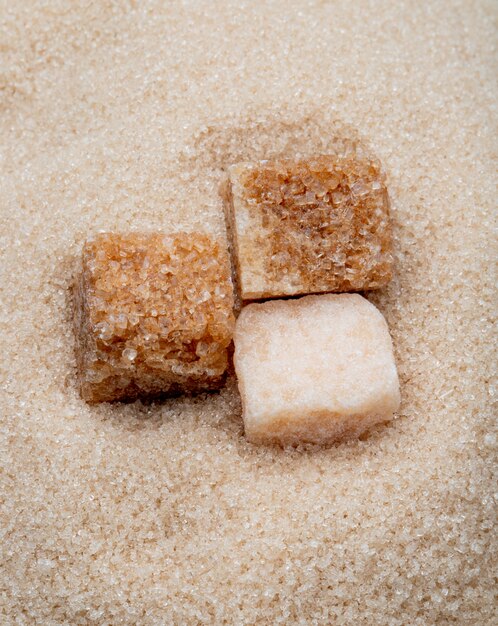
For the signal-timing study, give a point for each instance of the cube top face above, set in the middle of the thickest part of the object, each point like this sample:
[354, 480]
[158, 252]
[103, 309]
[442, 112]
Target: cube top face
[153, 314]
[314, 369]
[309, 225]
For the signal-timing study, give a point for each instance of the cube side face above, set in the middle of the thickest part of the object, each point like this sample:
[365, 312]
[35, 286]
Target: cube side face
[320, 428]
[248, 274]
[310, 225]
[153, 315]
[249, 236]
[316, 369]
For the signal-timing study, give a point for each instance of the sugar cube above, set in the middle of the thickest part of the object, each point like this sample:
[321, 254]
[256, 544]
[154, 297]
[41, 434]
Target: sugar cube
[153, 315]
[315, 369]
[313, 225]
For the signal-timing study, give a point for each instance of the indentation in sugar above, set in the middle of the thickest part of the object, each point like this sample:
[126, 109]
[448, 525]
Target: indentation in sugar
[153, 314]
[314, 368]
[309, 225]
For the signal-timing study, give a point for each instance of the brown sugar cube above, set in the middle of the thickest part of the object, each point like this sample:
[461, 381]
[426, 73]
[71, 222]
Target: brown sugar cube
[309, 225]
[153, 315]
[316, 369]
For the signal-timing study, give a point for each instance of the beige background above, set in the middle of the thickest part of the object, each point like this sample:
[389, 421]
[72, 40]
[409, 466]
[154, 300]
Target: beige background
[119, 115]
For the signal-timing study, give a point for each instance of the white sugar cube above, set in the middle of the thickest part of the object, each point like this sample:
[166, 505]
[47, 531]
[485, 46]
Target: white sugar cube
[316, 369]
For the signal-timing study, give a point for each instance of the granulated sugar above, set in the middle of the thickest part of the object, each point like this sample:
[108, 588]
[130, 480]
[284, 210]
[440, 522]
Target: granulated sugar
[122, 116]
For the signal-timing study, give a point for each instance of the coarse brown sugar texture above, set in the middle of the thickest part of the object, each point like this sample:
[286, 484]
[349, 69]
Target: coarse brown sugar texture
[153, 315]
[310, 225]
[124, 116]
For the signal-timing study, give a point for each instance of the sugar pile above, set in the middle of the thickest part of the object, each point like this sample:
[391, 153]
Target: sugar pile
[122, 115]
